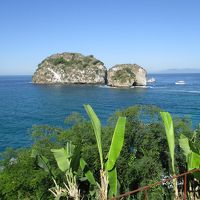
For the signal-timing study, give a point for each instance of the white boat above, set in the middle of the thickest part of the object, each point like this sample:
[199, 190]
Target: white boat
[151, 80]
[180, 82]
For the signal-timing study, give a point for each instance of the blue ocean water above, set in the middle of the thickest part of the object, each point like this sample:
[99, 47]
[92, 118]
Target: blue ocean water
[23, 104]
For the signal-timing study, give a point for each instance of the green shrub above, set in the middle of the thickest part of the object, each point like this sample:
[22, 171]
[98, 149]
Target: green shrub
[57, 61]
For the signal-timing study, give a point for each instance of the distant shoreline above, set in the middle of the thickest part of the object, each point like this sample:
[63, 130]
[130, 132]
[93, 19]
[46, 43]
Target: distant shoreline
[178, 71]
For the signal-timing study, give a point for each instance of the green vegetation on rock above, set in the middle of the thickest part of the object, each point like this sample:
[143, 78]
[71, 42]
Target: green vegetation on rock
[123, 75]
[57, 61]
[79, 63]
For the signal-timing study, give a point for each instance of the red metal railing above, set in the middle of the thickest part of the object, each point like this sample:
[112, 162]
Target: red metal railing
[146, 188]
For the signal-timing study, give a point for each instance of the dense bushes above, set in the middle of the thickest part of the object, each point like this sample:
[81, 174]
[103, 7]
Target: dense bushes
[143, 160]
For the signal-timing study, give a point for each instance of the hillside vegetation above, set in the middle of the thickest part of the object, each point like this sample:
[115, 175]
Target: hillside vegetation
[29, 173]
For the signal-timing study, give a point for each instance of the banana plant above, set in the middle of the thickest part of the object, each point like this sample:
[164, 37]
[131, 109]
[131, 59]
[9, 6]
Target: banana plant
[108, 172]
[191, 153]
[94, 185]
[68, 160]
[169, 129]
[68, 157]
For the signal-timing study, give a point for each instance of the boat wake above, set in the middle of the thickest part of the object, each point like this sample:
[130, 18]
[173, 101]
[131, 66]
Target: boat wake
[194, 91]
[106, 86]
[180, 82]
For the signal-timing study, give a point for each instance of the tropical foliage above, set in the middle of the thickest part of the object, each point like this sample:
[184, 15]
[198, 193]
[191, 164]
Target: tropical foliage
[144, 158]
[108, 172]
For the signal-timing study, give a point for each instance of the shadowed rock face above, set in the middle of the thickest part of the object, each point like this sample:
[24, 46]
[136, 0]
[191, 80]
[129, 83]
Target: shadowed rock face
[126, 75]
[70, 68]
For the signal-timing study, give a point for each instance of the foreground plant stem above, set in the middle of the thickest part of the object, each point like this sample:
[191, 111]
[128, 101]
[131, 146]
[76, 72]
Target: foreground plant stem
[72, 187]
[104, 185]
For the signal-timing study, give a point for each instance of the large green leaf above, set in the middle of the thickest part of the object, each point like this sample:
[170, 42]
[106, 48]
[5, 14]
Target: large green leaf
[70, 149]
[43, 162]
[97, 129]
[87, 172]
[192, 158]
[193, 161]
[112, 178]
[185, 146]
[75, 159]
[62, 158]
[116, 144]
[167, 119]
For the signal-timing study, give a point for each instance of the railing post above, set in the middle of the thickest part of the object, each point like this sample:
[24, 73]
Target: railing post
[145, 195]
[185, 187]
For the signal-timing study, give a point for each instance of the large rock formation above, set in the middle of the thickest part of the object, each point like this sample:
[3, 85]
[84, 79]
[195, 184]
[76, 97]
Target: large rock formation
[70, 68]
[76, 68]
[126, 75]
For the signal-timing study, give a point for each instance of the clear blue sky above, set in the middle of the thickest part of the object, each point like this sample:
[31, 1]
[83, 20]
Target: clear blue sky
[156, 34]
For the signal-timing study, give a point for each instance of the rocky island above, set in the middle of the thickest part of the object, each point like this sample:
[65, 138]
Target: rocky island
[127, 75]
[71, 68]
[75, 68]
